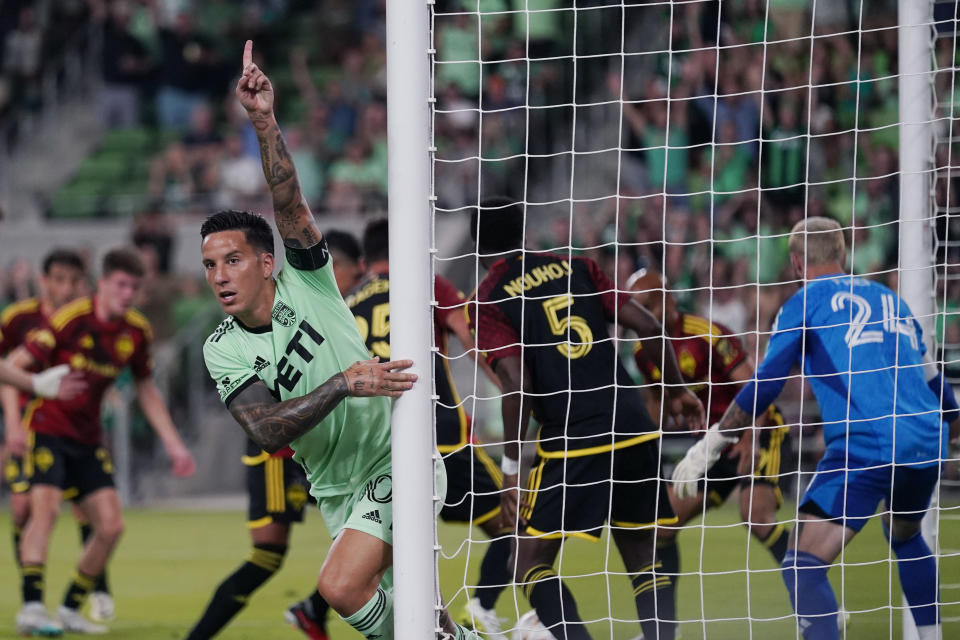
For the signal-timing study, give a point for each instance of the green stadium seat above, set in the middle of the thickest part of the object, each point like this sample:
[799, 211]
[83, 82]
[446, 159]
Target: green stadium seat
[129, 141]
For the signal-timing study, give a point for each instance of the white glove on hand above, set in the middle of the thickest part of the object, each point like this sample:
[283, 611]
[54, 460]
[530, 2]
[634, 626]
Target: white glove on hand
[46, 384]
[699, 458]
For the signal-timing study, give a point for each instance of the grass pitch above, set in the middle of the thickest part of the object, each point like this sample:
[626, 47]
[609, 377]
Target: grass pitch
[169, 562]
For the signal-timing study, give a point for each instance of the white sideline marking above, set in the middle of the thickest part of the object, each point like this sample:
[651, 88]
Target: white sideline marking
[950, 619]
[955, 585]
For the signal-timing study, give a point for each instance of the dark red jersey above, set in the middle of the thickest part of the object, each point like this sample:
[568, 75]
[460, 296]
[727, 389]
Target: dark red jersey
[706, 353]
[18, 322]
[554, 312]
[370, 305]
[101, 350]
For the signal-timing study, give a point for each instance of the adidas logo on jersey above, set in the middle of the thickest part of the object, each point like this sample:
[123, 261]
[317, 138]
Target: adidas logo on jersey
[374, 516]
[260, 364]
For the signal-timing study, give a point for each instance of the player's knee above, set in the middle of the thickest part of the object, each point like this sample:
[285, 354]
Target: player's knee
[527, 559]
[110, 530]
[19, 513]
[43, 515]
[340, 589]
[897, 530]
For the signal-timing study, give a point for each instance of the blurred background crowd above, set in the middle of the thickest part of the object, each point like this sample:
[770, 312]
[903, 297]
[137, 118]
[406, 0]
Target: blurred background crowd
[688, 137]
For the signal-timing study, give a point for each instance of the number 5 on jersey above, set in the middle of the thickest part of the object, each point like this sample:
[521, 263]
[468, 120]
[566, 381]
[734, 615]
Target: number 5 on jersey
[566, 325]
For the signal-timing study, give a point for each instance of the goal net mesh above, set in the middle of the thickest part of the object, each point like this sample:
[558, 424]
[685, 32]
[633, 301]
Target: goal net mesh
[687, 138]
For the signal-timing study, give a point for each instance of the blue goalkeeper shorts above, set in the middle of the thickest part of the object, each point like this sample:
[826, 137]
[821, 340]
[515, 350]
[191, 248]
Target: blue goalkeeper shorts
[849, 491]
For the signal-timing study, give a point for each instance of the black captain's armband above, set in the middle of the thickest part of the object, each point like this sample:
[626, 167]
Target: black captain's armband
[309, 258]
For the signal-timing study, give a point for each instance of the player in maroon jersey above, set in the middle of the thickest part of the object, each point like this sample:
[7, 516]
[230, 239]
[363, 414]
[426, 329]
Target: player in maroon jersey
[543, 320]
[60, 282]
[98, 337]
[713, 361]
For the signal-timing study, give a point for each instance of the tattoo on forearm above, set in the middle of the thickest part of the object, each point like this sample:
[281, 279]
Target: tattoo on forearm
[281, 177]
[735, 418]
[274, 425]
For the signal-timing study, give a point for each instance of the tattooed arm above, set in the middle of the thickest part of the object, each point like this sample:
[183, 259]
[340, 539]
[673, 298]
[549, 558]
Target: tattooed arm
[294, 219]
[735, 418]
[274, 425]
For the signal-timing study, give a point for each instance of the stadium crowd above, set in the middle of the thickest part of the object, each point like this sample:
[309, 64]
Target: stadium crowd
[691, 146]
[690, 128]
[505, 85]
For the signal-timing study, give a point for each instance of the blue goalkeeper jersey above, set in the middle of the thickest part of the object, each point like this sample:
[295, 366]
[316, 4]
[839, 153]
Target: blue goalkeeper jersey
[862, 353]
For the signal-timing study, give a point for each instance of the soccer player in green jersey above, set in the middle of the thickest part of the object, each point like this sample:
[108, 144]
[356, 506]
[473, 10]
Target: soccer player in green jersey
[291, 367]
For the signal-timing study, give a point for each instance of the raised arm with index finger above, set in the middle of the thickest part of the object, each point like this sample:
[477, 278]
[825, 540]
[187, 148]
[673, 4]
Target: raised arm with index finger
[293, 216]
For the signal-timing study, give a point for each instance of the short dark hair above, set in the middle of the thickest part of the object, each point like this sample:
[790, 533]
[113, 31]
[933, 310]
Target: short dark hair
[376, 240]
[497, 225]
[125, 259]
[343, 242]
[255, 228]
[64, 257]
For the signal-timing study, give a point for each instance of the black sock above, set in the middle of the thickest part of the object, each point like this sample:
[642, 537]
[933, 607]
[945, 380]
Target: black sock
[776, 542]
[318, 609]
[494, 572]
[17, 533]
[668, 555]
[80, 586]
[654, 594]
[554, 603]
[100, 584]
[32, 583]
[231, 596]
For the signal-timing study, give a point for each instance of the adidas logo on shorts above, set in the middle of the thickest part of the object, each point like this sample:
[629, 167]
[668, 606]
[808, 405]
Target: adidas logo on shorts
[374, 516]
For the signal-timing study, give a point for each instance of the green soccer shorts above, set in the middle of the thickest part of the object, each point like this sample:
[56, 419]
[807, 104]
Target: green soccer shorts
[370, 508]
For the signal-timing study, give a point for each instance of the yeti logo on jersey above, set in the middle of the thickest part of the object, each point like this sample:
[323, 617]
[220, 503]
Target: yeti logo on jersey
[287, 373]
[284, 315]
[260, 364]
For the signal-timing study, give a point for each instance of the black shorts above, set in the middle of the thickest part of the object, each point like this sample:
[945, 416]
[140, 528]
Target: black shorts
[575, 495]
[77, 469]
[15, 475]
[277, 488]
[473, 486]
[722, 477]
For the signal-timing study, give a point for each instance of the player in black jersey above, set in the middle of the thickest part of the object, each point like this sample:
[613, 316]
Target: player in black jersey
[473, 479]
[348, 263]
[543, 320]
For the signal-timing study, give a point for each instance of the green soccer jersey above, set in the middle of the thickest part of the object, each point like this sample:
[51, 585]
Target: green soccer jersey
[311, 337]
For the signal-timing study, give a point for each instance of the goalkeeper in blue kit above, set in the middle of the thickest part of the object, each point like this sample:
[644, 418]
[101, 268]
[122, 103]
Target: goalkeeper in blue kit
[885, 409]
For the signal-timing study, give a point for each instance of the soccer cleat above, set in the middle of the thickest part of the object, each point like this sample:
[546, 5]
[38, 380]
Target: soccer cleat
[484, 620]
[73, 622]
[529, 627]
[299, 616]
[843, 619]
[33, 620]
[102, 608]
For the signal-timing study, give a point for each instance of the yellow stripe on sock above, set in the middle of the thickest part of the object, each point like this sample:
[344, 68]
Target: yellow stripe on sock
[773, 537]
[650, 567]
[534, 575]
[84, 582]
[265, 559]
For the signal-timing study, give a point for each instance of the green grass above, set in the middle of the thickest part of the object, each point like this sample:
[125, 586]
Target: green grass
[169, 562]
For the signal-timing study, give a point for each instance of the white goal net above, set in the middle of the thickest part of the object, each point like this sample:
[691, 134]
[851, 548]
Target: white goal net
[684, 139]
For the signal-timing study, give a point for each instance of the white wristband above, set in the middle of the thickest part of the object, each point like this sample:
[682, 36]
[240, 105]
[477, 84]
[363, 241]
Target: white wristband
[509, 466]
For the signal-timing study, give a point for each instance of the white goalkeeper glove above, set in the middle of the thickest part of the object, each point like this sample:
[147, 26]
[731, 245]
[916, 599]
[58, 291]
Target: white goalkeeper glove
[699, 458]
[46, 384]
